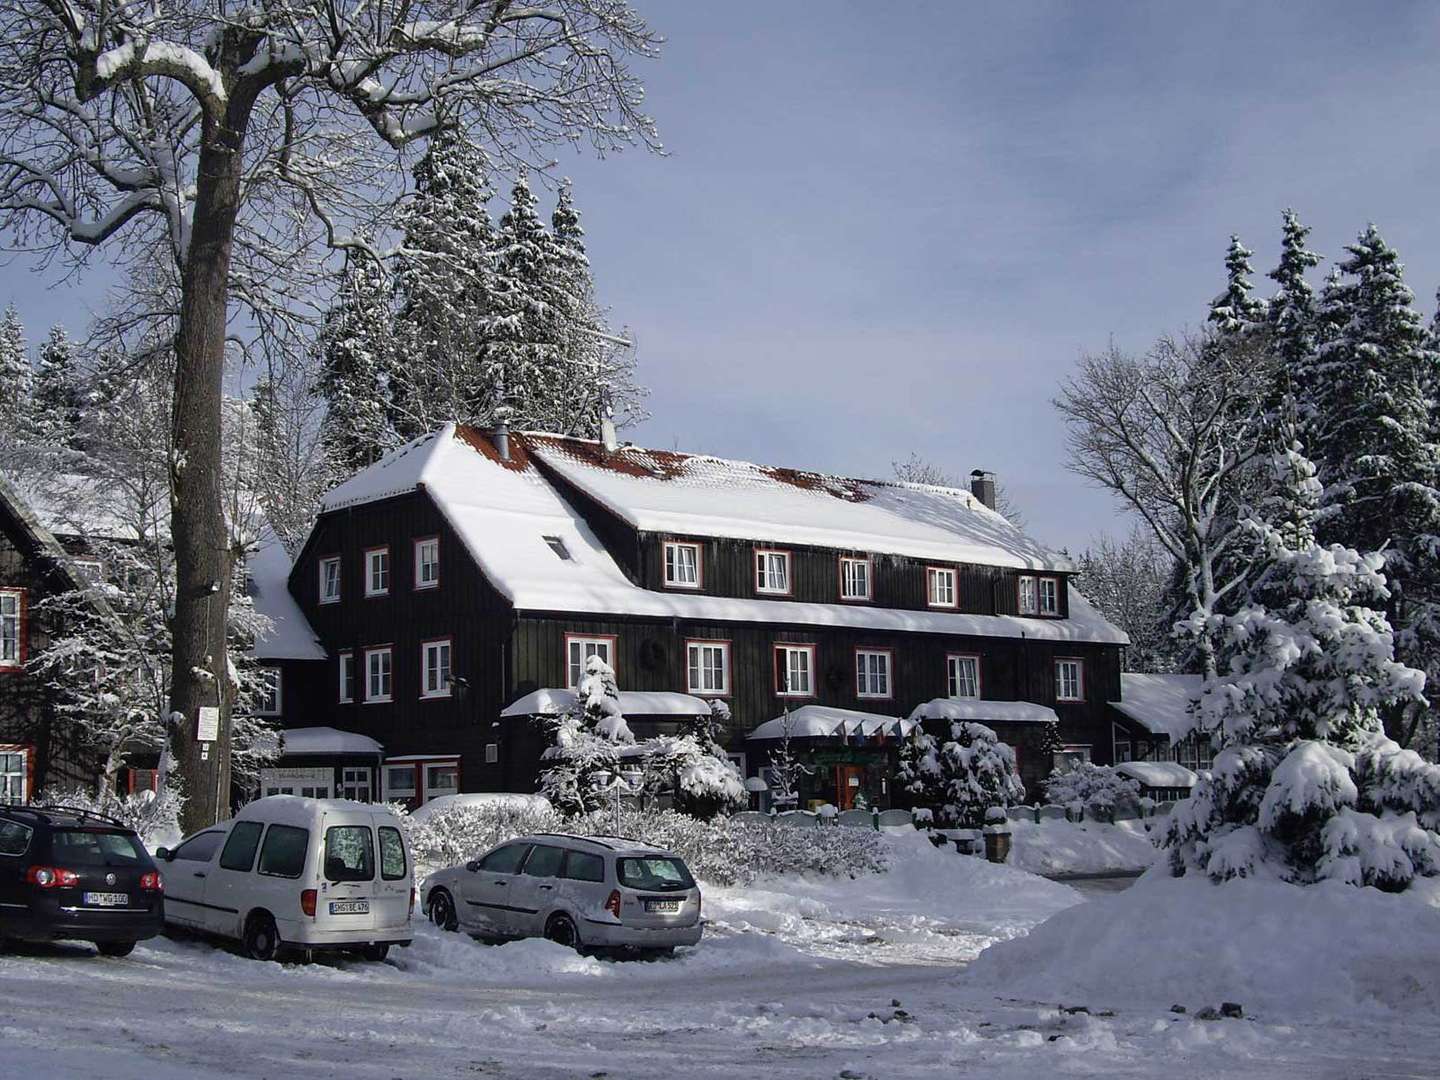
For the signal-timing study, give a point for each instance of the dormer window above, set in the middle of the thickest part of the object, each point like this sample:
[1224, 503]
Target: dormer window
[1049, 596]
[940, 586]
[682, 565]
[854, 578]
[772, 572]
[557, 545]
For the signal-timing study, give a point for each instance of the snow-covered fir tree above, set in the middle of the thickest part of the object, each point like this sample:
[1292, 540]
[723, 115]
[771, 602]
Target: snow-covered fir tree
[1307, 787]
[584, 751]
[357, 366]
[1292, 323]
[58, 399]
[1235, 309]
[960, 777]
[16, 381]
[785, 767]
[694, 767]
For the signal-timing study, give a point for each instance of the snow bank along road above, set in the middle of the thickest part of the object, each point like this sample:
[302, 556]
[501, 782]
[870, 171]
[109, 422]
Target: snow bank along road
[799, 979]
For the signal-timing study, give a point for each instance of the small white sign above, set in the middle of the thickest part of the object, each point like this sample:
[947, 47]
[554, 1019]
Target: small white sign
[208, 728]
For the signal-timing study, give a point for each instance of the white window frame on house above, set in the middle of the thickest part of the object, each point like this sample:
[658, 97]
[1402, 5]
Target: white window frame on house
[679, 575]
[784, 650]
[377, 571]
[355, 783]
[1027, 596]
[14, 773]
[700, 676]
[1061, 682]
[874, 676]
[327, 564]
[427, 562]
[271, 698]
[492, 753]
[934, 595]
[955, 665]
[579, 648]
[435, 667]
[12, 629]
[392, 793]
[766, 562]
[1049, 596]
[345, 674]
[387, 671]
[432, 791]
[866, 567]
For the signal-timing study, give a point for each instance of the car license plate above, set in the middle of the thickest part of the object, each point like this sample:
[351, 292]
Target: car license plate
[107, 899]
[349, 907]
[662, 907]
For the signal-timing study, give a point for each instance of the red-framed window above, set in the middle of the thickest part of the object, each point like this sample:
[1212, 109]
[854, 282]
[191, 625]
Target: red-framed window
[962, 675]
[857, 578]
[1069, 679]
[707, 667]
[1049, 596]
[794, 670]
[14, 629]
[580, 647]
[942, 587]
[435, 656]
[427, 562]
[773, 569]
[684, 564]
[874, 673]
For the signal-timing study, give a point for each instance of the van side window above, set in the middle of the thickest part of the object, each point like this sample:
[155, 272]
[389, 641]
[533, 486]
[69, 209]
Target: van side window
[392, 854]
[505, 860]
[239, 853]
[583, 866]
[544, 861]
[200, 848]
[283, 854]
[14, 838]
[349, 853]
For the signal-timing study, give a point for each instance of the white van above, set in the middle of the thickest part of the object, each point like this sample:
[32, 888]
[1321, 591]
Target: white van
[295, 873]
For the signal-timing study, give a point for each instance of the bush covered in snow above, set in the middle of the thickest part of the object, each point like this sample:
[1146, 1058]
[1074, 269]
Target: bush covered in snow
[1094, 787]
[720, 852]
[154, 817]
[961, 778]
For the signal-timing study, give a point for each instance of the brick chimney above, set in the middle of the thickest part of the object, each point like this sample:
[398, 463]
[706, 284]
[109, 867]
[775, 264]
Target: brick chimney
[982, 486]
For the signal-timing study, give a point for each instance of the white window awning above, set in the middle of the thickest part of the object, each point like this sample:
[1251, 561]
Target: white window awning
[827, 722]
[982, 711]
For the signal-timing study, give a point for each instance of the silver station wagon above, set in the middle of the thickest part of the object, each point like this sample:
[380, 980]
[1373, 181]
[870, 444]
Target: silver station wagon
[591, 893]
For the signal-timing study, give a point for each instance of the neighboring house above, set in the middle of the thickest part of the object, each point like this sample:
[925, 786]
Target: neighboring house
[468, 571]
[1152, 723]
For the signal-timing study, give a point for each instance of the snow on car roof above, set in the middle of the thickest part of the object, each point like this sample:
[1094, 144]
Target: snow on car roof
[512, 521]
[978, 709]
[1160, 703]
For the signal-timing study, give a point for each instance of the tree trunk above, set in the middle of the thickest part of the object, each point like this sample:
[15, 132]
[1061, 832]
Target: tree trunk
[199, 675]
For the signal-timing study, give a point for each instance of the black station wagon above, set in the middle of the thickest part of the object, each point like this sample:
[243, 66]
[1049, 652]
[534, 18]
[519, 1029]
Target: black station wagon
[70, 874]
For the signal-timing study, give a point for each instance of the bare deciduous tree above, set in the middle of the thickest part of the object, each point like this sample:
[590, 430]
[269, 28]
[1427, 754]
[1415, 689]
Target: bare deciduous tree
[239, 138]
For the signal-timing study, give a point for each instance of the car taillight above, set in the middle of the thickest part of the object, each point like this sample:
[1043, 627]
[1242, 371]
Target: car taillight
[307, 902]
[51, 877]
[151, 881]
[612, 903]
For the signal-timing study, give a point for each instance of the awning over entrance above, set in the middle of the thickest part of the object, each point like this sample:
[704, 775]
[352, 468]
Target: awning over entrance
[827, 722]
[553, 702]
[980, 711]
[328, 741]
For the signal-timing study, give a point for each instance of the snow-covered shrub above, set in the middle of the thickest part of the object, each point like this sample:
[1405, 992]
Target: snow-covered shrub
[961, 778]
[154, 817]
[695, 768]
[451, 836]
[584, 748]
[1094, 787]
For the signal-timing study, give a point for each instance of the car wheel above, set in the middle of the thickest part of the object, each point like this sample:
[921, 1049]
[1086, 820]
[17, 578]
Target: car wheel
[442, 910]
[262, 940]
[561, 930]
[375, 952]
[115, 948]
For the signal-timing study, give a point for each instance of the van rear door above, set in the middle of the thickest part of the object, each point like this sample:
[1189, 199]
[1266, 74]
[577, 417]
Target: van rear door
[393, 887]
[347, 874]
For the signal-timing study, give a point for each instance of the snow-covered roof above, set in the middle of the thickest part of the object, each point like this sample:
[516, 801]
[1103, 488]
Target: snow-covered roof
[553, 702]
[1159, 703]
[289, 636]
[827, 722]
[1158, 774]
[696, 495]
[69, 504]
[978, 709]
[328, 740]
[504, 511]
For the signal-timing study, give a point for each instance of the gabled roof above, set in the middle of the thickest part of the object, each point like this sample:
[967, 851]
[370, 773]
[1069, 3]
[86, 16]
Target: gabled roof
[1159, 703]
[511, 520]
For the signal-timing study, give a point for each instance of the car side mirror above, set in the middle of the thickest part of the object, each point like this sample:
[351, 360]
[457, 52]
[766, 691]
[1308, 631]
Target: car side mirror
[165, 853]
[473, 866]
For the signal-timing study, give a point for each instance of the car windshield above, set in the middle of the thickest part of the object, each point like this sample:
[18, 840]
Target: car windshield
[88, 848]
[655, 872]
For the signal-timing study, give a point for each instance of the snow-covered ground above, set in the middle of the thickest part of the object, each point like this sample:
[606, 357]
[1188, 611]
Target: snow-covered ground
[795, 979]
[1089, 847]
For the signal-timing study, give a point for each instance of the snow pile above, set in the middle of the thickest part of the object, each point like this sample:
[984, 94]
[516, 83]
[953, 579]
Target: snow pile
[1279, 950]
[1090, 847]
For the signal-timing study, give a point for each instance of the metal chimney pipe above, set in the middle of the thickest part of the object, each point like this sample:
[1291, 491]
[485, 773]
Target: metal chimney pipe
[502, 439]
[982, 486]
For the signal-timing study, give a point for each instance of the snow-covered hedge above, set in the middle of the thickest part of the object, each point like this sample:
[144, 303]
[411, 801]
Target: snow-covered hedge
[720, 852]
[1094, 787]
[155, 818]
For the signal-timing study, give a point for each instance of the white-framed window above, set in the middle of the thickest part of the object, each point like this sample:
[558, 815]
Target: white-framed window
[872, 673]
[12, 613]
[355, 784]
[683, 568]
[14, 774]
[427, 562]
[962, 675]
[940, 586]
[1069, 680]
[708, 663]
[377, 571]
[795, 670]
[400, 781]
[1049, 596]
[854, 578]
[435, 669]
[267, 698]
[1028, 603]
[492, 753]
[772, 571]
[442, 779]
[379, 674]
[346, 672]
[330, 580]
[579, 649]
[93, 571]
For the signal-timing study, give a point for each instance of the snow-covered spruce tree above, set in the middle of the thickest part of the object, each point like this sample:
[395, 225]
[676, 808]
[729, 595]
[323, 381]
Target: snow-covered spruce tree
[1376, 448]
[1307, 787]
[958, 779]
[16, 381]
[694, 767]
[1096, 788]
[1292, 322]
[59, 397]
[1235, 310]
[585, 744]
[1050, 741]
[357, 370]
[785, 767]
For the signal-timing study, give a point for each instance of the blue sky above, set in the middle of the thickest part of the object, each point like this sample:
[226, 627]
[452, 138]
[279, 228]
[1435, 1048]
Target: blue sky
[892, 227]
